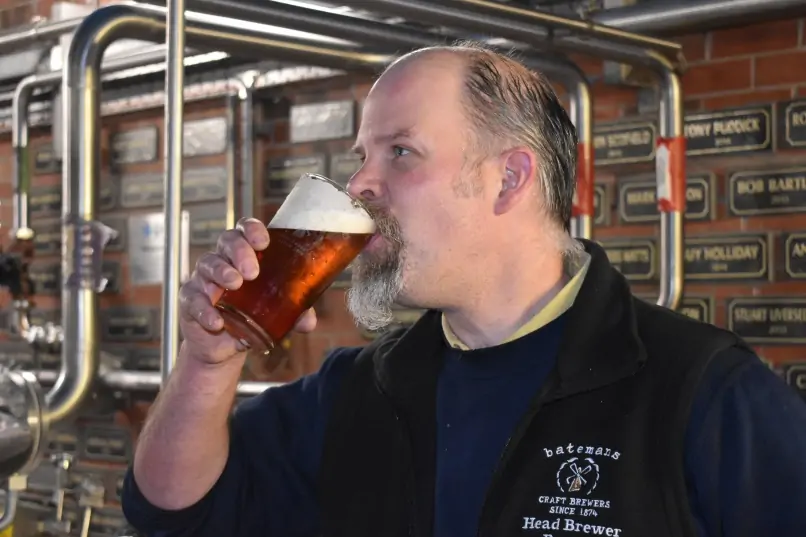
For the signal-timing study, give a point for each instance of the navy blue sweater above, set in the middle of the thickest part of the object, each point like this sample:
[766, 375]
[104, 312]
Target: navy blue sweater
[744, 451]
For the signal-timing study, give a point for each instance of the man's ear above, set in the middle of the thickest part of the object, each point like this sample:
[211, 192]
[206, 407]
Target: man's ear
[517, 171]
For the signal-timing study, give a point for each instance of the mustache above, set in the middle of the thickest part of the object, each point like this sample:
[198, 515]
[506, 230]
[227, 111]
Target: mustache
[387, 225]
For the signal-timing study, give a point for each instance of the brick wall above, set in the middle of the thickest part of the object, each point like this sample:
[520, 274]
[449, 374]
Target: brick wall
[754, 65]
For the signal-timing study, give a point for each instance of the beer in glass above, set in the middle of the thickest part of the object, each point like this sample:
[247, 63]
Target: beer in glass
[315, 234]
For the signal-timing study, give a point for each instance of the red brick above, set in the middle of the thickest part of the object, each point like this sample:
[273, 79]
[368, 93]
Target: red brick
[609, 95]
[746, 98]
[693, 46]
[588, 64]
[783, 68]
[766, 37]
[718, 76]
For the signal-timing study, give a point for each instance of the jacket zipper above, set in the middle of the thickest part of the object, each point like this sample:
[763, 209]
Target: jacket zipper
[411, 497]
[510, 447]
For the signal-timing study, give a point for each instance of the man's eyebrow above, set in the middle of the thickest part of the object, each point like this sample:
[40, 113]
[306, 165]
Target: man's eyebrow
[400, 133]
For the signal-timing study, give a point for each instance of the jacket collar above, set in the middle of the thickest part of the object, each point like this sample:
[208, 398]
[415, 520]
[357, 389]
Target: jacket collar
[600, 344]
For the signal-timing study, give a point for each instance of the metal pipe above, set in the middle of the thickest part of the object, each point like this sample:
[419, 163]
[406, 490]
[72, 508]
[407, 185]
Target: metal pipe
[518, 25]
[247, 186]
[10, 508]
[148, 381]
[231, 188]
[82, 235]
[12, 42]
[392, 38]
[174, 134]
[21, 100]
[667, 17]
[522, 25]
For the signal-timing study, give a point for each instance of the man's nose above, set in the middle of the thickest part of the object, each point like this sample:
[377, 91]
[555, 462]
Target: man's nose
[365, 185]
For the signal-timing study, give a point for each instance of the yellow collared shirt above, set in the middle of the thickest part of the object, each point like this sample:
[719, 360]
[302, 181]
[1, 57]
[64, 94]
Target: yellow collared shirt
[576, 267]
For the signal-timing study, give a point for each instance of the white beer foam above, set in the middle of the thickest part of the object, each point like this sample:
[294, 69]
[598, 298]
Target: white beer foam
[316, 205]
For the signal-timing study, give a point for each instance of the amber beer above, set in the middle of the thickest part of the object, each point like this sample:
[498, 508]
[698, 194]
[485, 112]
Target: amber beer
[314, 236]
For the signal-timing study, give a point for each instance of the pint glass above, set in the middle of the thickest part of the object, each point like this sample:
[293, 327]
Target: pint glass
[315, 234]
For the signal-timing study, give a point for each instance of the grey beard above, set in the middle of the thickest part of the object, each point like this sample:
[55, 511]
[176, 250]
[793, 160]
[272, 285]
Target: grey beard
[375, 288]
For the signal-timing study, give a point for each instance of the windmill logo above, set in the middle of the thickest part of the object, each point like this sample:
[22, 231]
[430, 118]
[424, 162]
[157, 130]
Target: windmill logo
[578, 475]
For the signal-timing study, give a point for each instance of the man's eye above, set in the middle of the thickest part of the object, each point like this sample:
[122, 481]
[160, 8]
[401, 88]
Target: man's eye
[400, 151]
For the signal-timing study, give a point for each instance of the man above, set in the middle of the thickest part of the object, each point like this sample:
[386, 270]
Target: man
[536, 396]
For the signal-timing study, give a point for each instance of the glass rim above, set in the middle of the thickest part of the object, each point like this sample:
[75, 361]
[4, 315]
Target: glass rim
[341, 188]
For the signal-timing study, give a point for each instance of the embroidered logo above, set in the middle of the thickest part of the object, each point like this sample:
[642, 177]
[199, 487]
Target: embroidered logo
[578, 475]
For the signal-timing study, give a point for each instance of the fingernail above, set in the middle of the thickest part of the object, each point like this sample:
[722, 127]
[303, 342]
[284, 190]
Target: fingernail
[230, 275]
[250, 270]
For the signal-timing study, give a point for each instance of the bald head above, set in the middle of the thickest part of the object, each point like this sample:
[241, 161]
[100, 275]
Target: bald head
[505, 104]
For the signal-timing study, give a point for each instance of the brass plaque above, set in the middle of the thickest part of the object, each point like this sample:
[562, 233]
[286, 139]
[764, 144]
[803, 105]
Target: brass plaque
[768, 320]
[107, 444]
[698, 308]
[45, 201]
[111, 271]
[45, 161]
[624, 143]
[638, 202]
[791, 122]
[203, 137]
[282, 174]
[48, 238]
[322, 121]
[601, 206]
[204, 184]
[124, 324]
[206, 224]
[795, 255]
[756, 193]
[795, 376]
[108, 194]
[141, 190]
[635, 258]
[63, 440]
[343, 166]
[144, 359]
[46, 277]
[729, 131]
[135, 146]
[732, 257]
[120, 224]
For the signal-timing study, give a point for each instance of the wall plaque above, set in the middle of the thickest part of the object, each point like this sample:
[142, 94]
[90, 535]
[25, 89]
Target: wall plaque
[146, 248]
[795, 255]
[791, 122]
[768, 320]
[48, 238]
[282, 174]
[635, 258]
[141, 190]
[119, 224]
[601, 206]
[63, 441]
[204, 184]
[106, 522]
[16, 352]
[343, 166]
[111, 271]
[204, 137]
[322, 121]
[45, 160]
[45, 201]
[729, 131]
[135, 146]
[108, 193]
[638, 201]
[719, 258]
[107, 444]
[756, 193]
[46, 278]
[207, 223]
[128, 323]
[144, 359]
[698, 308]
[795, 376]
[624, 143]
